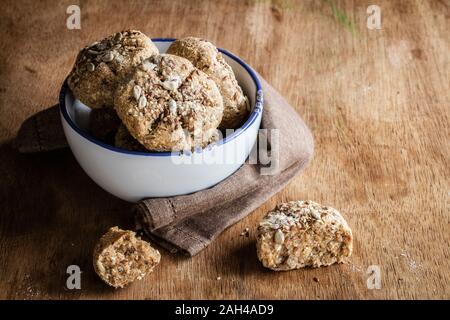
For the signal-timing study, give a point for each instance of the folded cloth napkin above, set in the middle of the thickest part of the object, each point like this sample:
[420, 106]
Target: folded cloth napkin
[41, 132]
[189, 223]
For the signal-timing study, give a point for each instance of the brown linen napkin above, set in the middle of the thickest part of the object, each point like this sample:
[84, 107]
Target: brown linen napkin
[42, 131]
[189, 223]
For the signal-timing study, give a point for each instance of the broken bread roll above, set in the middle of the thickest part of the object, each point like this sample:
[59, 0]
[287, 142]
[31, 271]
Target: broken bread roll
[120, 258]
[300, 234]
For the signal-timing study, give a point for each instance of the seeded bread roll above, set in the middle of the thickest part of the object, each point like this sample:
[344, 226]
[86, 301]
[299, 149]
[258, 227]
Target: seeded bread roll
[101, 65]
[205, 56]
[169, 105]
[120, 258]
[300, 234]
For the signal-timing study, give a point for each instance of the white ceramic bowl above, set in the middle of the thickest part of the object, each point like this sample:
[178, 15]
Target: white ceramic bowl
[133, 176]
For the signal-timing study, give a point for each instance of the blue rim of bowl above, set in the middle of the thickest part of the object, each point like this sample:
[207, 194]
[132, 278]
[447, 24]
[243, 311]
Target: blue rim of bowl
[251, 119]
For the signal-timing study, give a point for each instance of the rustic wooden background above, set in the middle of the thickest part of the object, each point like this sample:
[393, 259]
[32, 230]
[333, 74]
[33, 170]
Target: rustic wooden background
[377, 102]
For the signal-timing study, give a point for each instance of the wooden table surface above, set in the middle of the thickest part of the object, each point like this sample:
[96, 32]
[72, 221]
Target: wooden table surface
[377, 102]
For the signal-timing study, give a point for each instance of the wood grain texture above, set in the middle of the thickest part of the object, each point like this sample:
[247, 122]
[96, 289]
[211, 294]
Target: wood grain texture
[377, 103]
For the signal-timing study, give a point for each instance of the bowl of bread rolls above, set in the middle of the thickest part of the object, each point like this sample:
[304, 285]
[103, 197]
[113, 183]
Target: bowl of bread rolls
[159, 117]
